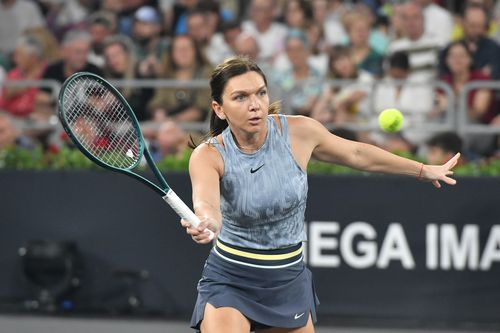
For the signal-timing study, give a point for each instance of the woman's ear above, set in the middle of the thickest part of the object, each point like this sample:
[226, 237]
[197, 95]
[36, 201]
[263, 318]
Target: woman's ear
[218, 110]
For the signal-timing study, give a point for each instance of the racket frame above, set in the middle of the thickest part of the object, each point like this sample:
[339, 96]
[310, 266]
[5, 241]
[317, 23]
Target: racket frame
[142, 151]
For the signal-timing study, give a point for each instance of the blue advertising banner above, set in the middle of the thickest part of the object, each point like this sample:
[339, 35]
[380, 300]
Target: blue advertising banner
[380, 248]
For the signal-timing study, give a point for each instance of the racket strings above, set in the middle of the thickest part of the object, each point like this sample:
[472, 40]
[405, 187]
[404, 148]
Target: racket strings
[101, 123]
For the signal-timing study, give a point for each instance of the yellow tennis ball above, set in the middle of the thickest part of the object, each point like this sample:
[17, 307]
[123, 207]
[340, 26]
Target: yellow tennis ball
[391, 120]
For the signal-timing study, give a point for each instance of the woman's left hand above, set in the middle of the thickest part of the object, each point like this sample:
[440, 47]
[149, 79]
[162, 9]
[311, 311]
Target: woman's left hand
[437, 173]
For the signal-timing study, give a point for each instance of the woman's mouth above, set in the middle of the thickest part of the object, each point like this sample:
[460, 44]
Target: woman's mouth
[254, 120]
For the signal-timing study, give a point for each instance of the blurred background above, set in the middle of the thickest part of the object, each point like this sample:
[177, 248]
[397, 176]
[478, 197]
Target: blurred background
[85, 250]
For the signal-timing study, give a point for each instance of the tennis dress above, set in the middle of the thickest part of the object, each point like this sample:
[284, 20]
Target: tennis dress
[256, 264]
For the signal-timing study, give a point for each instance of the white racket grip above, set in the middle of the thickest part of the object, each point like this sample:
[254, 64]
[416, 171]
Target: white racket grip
[184, 211]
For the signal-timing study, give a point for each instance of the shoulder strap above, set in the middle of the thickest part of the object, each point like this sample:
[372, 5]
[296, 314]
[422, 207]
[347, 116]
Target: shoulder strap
[219, 146]
[284, 126]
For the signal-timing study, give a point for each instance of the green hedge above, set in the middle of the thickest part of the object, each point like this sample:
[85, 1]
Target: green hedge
[73, 159]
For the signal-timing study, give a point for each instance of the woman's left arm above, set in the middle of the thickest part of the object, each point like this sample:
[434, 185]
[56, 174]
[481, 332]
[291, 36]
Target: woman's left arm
[331, 148]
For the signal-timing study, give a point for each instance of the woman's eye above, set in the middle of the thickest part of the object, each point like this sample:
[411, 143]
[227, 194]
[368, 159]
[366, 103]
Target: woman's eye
[262, 93]
[239, 98]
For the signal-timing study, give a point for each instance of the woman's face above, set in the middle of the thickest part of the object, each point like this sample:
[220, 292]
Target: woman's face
[24, 58]
[183, 52]
[296, 52]
[116, 58]
[294, 16]
[245, 103]
[344, 67]
[359, 33]
[458, 59]
[314, 34]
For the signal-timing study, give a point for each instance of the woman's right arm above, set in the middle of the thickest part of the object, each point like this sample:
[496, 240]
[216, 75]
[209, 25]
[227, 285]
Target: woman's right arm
[205, 170]
[480, 104]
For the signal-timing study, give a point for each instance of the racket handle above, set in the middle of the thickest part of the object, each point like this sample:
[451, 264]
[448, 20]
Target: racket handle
[184, 211]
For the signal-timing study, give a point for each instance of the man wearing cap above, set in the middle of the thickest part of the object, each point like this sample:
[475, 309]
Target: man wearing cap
[149, 45]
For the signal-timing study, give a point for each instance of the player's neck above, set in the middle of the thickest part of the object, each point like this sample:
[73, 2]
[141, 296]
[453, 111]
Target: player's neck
[249, 142]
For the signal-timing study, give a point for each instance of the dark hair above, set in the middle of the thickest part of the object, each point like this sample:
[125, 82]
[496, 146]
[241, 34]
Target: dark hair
[105, 18]
[478, 6]
[230, 68]
[334, 54]
[399, 60]
[455, 43]
[446, 51]
[449, 142]
[169, 65]
[230, 25]
[125, 42]
[209, 6]
[305, 7]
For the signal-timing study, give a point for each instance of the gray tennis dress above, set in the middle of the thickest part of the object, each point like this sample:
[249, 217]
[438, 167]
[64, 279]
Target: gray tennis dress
[256, 265]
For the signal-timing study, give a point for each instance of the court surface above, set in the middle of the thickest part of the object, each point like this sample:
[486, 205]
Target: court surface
[33, 324]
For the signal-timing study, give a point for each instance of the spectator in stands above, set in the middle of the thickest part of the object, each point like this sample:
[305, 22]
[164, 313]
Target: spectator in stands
[75, 49]
[179, 12]
[301, 84]
[126, 11]
[437, 20]
[347, 103]
[409, 96]
[50, 44]
[270, 35]
[29, 65]
[8, 132]
[64, 16]
[412, 95]
[396, 26]
[364, 56]
[297, 13]
[318, 57]
[17, 16]
[202, 25]
[442, 147]
[329, 14]
[212, 11]
[493, 14]
[231, 30]
[101, 25]
[150, 46]
[171, 140]
[247, 45]
[317, 61]
[422, 48]
[485, 51]
[197, 22]
[480, 104]
[183, 62]
[121, 64]
[378, 37]
[10, 136]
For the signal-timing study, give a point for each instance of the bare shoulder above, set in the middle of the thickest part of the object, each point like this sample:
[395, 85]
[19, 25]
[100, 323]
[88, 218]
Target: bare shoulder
[206, 156]
[306, 128]
[302, 122]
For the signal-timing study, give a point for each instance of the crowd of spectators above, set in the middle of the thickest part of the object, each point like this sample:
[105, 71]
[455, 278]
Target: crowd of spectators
[378, 54]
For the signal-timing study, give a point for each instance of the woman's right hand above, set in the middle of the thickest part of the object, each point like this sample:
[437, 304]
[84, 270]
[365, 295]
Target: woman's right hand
[200, 234]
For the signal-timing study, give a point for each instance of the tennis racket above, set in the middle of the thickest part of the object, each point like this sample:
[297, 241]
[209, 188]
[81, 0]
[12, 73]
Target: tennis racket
[103, 126]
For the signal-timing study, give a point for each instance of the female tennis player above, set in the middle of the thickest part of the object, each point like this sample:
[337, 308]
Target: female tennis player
[250, 188]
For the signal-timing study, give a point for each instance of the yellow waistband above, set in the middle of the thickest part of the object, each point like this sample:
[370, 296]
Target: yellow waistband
[259, 256]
